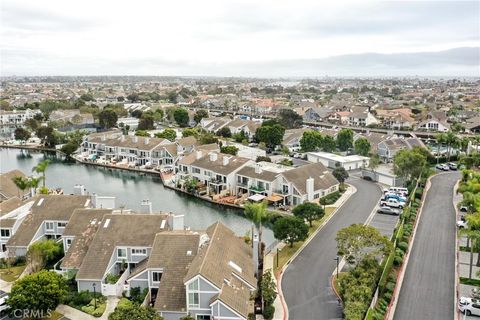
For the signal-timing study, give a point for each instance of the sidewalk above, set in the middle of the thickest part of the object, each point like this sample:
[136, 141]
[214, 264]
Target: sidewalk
[268, 267]
[74, 314]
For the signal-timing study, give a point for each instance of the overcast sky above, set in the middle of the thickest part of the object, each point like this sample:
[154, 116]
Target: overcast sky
[209, 37]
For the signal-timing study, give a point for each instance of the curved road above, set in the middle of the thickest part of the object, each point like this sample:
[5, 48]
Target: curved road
[306, 282]
[429, 285]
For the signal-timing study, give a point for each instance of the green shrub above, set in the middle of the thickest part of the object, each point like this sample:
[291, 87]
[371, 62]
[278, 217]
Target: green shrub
[112, 278]
[268, 312]
[124, 303]
[397, 261]
[79, 299]
[388, 296]
[403, 246]
[331, 198]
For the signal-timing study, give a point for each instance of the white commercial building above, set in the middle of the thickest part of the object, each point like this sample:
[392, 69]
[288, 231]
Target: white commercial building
[330, 160]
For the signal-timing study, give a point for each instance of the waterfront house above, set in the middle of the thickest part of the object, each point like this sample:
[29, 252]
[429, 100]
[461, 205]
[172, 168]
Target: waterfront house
[16, 117]
[12, 213]
[121, 242]
[216, 171]
[307, 183]
[435, 121]
[259, 178]
[47, 219]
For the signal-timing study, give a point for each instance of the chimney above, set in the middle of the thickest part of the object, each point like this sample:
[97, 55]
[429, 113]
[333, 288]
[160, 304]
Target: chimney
[135, 139]
[258, 168]
[226, 160]
[255, 253]
[79, 190]
[122, 138]
[310, 182]
[213, 156]
[147, 140]
[146, 207]
[176, 222]
[198, 154]
[180, 149]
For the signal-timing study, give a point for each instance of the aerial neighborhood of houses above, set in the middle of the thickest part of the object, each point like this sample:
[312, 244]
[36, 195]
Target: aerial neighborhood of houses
[243, 144]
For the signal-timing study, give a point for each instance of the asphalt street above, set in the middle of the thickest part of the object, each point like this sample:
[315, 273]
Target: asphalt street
[428, 287]
[306, 282]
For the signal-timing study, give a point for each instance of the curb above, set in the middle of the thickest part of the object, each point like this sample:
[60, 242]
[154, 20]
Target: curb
[457, 253]
[403, 268]
[287, 264]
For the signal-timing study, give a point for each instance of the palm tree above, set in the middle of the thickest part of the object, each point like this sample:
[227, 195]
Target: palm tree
[452, 140]
[257, 212]
[41, 167]
[472, 232]
[33, 183]
[440, 137]
[22, 184]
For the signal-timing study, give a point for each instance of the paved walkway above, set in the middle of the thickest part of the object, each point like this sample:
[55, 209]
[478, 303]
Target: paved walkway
[268, 267]
[73, 313]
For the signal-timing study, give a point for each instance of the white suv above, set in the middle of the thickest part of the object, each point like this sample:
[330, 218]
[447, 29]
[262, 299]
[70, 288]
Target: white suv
[469, 306]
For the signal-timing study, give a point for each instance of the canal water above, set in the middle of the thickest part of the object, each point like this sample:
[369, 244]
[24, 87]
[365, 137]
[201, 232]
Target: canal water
[129, 188]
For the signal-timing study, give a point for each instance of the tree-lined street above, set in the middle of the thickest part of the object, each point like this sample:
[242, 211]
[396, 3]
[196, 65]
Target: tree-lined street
[306, 282]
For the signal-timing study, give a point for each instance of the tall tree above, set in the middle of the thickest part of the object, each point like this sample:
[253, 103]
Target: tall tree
[311, 140]
[146, 122]
[309, 211]
[181, 117]
[452, 141]
[22, 184]
[441, 138]
[22, 134]
[290, 229]
[340, 174]
[362, 147]
[359, 241]
[270, 135]
[107, 118]
[257, 212]
[374, 162]
[224, 132]
[41, 168]
[289, 119]
[409, 163]
[199, 115]
[46, 135]
[328, 144]
[345, 139]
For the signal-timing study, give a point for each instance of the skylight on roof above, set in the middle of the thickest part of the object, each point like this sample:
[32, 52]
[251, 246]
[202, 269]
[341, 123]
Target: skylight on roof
[40, 202]
[87, 203]
[235, 266]
[162, 225]
[107, 222]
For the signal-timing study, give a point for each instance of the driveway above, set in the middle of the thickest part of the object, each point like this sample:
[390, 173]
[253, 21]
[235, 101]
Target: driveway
[428, 287]
[306, 282]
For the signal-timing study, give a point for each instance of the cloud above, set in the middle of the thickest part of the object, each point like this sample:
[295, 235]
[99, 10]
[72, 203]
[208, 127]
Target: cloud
[213, 36]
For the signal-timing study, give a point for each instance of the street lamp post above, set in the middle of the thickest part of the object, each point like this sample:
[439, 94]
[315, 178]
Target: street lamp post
[94, 296]
[338, 261]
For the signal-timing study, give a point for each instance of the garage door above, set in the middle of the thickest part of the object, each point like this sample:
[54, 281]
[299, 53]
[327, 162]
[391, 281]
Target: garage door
[387, 180]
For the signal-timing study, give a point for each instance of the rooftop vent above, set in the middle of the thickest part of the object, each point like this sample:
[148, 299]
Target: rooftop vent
[107, 222]
[189, 252]
[235, 266]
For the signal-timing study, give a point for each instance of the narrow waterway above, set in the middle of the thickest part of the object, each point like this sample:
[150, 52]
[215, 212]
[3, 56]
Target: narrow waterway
[129, 188]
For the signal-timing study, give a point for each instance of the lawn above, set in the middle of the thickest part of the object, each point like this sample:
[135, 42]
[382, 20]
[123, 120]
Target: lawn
[11, 274]
[287, 252]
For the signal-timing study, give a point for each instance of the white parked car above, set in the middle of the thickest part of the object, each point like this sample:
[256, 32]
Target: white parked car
[469, 306]
[462, 224]
[394, 203]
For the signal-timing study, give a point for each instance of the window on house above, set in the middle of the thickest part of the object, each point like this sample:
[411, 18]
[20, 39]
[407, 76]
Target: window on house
[193, 301]
[49, 226]
[203, 317]
[5, 232]
[61, 224]
[316, 196]
[195, 170]
[156, 276]
[122, 253]
[193, 286]
[4, 247]
[139, 252]
[267, 186]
